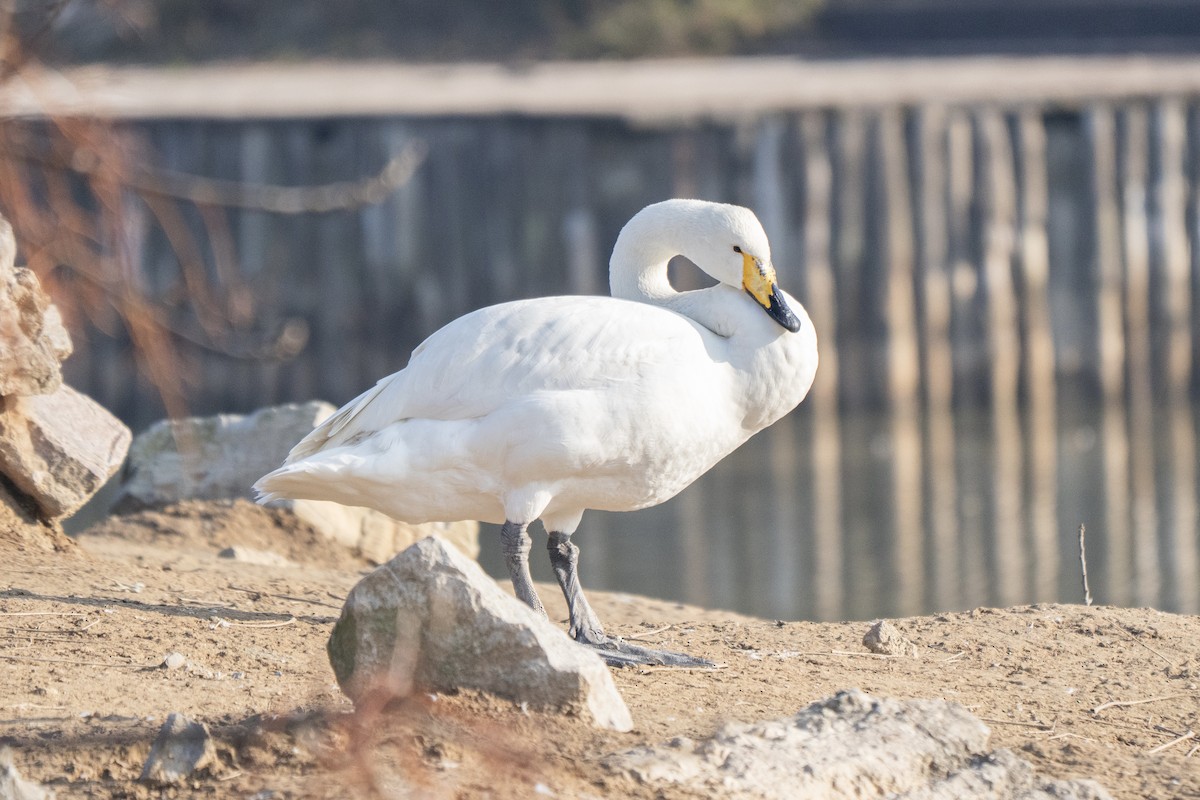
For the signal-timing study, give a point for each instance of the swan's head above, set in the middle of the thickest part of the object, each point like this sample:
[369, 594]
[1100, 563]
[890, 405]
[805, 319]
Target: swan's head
[729, 243]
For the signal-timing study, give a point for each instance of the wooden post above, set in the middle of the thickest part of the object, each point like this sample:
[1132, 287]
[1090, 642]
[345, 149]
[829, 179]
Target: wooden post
[1110, 341]
[849, 245]
[782, 561]
[960, 192]
[1038, 349]
[820, 298]
[1136, 226]
[902, 365]
[340, 259]
[1175, 257]
[1174, 268]
[941, 475]
[1110, 348]
[998, 199]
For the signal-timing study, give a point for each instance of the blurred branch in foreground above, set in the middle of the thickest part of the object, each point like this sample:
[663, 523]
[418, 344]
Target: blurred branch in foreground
[339, 196]
[82, 197]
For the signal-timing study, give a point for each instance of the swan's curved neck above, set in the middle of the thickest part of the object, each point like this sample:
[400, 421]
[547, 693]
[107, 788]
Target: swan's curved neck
[638, 268]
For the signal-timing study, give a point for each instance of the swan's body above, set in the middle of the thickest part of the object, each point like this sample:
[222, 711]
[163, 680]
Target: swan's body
[541, 409]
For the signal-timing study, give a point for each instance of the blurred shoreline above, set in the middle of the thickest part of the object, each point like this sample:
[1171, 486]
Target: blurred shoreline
[646, 90]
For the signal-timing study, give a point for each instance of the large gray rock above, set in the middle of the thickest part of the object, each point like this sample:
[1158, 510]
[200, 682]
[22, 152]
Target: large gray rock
[220, 458]
[33, 340]
[59, 448]
[213, 458]
[182, 748]
[431, 619]
[851, 746]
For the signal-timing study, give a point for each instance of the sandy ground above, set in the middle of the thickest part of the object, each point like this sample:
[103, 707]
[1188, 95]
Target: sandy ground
[1102, 693]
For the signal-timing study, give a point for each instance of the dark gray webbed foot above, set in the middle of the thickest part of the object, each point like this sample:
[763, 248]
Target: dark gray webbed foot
[617, 652]
[585, 625]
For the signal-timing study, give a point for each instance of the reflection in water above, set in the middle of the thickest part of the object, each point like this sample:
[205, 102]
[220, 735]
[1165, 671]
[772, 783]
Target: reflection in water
[771, 532]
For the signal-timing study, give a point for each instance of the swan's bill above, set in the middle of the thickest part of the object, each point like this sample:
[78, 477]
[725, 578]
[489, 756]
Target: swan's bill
[758, 279]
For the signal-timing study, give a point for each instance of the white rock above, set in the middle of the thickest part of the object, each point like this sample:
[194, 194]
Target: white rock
[886, 639]
[14, 787]
[431, 620]
[851, 745]
[59, 448]
[377, 536]
[220, 458]
[33, 340]
[181, 748]
[174, 660]
[213, 458]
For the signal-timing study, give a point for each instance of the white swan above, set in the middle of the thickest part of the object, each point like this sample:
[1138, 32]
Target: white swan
[541, 409]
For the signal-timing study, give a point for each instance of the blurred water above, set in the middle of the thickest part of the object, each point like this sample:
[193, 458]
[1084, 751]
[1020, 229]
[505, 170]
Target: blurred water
[747, 535]
[977, 255]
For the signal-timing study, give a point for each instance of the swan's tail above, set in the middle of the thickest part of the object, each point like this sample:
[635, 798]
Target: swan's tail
[308, 479]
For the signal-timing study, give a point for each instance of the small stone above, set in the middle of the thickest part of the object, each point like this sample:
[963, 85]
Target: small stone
[182, 748]
[431, 620]
[60, 448]
[262, 558]
[174, 661]
[13, 786]
[885, 639]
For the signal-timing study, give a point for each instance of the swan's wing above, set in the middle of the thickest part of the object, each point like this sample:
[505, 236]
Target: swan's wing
[329, 430]
[479, 361]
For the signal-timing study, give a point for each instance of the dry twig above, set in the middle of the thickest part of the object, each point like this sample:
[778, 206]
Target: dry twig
[1125, 703]
[1087, 593]
[275, 624]
[1155, 750]
[1143, 728]
[1143, 644]
[646, 634]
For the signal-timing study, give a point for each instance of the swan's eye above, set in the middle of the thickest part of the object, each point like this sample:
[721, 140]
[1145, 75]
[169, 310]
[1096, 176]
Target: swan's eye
[737, 249]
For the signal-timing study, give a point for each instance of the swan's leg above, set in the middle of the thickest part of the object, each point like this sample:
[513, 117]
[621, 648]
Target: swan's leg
[585, 625]
[515, 543]
[564, 557]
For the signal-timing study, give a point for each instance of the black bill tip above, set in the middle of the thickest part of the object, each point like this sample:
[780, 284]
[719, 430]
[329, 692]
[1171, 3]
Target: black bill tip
[781, 313]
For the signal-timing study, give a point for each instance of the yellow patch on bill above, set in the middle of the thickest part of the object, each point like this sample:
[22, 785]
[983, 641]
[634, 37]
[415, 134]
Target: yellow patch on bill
[758, 279]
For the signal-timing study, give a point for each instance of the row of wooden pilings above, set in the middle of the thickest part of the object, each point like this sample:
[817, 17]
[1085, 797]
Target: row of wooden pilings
[963, 210]
[1027, 260]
